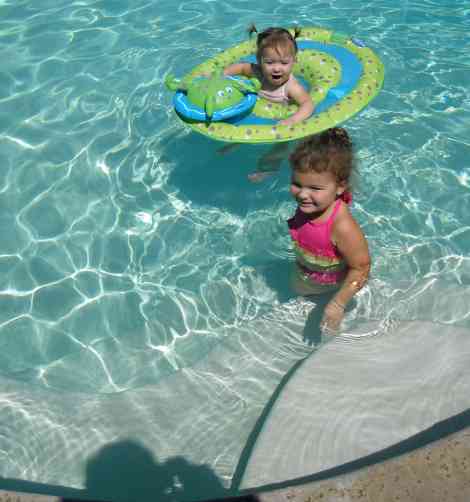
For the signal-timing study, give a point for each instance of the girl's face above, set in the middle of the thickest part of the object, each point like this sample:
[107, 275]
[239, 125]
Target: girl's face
[276, 65]
[315, 192]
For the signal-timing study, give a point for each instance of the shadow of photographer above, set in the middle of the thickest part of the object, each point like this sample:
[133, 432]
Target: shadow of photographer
[126, 471]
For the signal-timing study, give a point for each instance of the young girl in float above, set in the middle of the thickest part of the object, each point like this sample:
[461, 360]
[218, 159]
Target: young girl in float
[276, 51]
[332, 254]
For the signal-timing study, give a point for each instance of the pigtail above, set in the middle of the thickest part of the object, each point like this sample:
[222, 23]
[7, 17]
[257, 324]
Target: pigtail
[297, 32]
[252, 29]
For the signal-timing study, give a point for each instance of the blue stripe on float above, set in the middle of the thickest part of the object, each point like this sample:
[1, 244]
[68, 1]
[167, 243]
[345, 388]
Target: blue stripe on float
[351, 71]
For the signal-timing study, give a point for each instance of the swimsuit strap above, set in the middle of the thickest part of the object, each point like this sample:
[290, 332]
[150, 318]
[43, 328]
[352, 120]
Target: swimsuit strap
[329, 221]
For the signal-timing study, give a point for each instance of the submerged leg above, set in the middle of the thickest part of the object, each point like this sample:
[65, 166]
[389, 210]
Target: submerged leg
[270, 162]
[228, 148]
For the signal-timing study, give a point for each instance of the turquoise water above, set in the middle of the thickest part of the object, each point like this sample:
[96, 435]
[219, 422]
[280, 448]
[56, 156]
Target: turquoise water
[140, 267]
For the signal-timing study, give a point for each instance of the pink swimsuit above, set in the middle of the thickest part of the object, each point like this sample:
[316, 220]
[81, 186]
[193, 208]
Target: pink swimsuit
[317, 257]
[278, 95]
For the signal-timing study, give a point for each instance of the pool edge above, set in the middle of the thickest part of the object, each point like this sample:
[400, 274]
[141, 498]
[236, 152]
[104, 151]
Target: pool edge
[436, 472]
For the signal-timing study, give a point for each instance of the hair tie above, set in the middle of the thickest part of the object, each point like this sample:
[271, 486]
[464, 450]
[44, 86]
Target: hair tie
[346, 197]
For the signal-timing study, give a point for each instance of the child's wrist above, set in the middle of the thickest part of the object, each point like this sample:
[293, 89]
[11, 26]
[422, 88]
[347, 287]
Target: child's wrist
[338, 305]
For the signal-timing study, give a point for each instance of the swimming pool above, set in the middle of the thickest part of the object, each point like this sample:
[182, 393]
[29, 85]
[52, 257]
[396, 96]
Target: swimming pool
[145, 312]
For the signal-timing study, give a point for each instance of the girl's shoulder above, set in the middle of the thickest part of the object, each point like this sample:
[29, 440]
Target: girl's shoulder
[344, 224]
[294, 88]
[293, 80]
[342, 212]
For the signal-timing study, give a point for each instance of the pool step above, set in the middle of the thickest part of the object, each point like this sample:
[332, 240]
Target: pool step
[360, 394]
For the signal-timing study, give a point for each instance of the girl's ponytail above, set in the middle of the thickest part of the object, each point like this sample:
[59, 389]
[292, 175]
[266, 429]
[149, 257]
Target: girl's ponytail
[252, 29]
[297, 32]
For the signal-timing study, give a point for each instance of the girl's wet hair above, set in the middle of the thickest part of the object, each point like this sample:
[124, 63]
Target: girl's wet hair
[274, 37]
[329, 151]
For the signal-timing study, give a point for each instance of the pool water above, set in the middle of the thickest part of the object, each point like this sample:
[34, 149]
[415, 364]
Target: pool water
[144, 300]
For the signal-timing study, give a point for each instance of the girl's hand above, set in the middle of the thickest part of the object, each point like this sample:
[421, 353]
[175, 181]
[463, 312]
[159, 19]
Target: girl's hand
[332, 317]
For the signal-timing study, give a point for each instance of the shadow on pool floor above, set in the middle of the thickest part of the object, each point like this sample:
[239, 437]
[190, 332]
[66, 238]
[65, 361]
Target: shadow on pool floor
[432, 466]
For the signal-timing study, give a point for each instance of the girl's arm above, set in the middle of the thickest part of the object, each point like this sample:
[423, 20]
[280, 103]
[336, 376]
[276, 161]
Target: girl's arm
[297, 93]
[244, 69]
[352, 244]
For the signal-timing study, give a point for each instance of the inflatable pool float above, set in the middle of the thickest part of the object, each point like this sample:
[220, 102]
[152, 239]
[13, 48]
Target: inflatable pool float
[342, 76]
